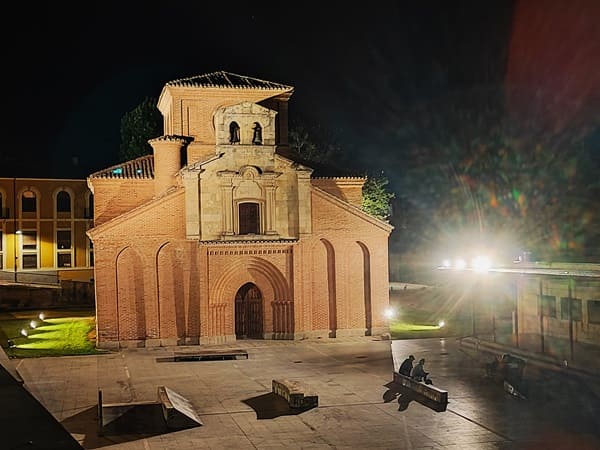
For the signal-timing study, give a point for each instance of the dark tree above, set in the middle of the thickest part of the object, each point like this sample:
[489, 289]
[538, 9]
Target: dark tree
[377, 197]
[138, 126]
[309, 142]
[320, 150]
[476, 176]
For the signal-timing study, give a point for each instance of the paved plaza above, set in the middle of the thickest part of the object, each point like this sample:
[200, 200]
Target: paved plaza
[359, 407]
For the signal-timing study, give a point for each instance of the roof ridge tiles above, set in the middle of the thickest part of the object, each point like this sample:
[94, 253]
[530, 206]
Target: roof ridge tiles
[223, 79]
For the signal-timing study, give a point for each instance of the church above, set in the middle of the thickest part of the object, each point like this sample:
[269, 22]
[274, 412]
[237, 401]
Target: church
[220, 236]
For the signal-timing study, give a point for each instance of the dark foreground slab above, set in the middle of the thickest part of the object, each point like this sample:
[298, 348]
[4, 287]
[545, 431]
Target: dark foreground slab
[25, 423]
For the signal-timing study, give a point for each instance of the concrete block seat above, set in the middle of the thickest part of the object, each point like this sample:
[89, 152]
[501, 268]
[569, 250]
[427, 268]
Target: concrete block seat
[429, 391]
[295, 393]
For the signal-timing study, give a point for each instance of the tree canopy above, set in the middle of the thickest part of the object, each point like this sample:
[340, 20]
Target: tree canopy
[138, 126]
[319, 148]
[477, 175]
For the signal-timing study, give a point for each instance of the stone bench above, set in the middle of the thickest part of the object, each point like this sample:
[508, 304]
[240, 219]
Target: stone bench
[295, 393]
[427, 390]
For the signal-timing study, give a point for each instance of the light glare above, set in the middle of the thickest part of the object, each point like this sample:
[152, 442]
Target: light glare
[481, 263]
[390, 313]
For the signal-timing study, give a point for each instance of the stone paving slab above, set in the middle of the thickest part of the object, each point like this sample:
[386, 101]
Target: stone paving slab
[357, 408]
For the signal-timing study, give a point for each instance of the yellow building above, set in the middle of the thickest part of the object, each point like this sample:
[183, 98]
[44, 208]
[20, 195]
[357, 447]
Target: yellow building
[43, 224]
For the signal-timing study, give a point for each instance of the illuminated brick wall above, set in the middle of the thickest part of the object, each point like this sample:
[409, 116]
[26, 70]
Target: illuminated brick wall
[170, 255]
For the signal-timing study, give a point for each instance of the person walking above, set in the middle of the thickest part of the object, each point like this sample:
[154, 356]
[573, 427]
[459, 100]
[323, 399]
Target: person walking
[406, 366]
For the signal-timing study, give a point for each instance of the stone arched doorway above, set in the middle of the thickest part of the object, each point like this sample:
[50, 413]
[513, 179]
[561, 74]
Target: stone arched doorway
[248, 312]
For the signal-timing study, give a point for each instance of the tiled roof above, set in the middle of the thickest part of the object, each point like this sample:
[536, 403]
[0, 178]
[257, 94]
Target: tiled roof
[222, 79]
[139, 168]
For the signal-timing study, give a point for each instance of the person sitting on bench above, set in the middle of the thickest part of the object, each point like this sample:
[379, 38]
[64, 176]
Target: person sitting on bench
[406, 366]
[418, 372]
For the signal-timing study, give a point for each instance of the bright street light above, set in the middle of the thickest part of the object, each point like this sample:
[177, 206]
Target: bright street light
[481, 264]
[460, 264]
[390, 313]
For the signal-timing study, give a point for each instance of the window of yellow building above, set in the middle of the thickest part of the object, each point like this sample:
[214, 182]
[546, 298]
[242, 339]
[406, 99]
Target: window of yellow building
[29, 249]
[28, 202]
[63, 202]
[63, 248]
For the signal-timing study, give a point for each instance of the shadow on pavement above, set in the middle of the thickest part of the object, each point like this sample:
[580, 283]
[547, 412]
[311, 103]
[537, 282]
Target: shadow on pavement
[140, 421]
[405, 396]
[270, 406]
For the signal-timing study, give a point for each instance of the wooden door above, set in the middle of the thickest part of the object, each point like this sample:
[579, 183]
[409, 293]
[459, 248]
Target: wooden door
[248, 312]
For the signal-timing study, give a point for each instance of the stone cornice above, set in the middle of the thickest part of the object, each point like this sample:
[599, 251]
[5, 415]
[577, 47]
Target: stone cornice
[249, 241]
[172, 138]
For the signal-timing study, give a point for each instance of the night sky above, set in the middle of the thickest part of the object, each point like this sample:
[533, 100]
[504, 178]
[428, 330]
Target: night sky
[76, 71]
[404, 87]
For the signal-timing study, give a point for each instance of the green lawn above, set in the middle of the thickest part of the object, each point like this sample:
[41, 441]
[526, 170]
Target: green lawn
[402, 329]
[60, 333]
[71, 332]
[419, 317]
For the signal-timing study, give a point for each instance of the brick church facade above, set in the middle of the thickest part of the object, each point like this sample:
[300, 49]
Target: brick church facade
[217, 236]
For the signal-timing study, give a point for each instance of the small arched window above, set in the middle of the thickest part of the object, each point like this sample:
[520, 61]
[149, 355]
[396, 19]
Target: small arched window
[249, 218]
[257, 135]
[234, 133]
[63, 202]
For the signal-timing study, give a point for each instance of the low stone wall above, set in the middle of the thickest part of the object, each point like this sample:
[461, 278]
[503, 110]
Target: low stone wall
[14, 297]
